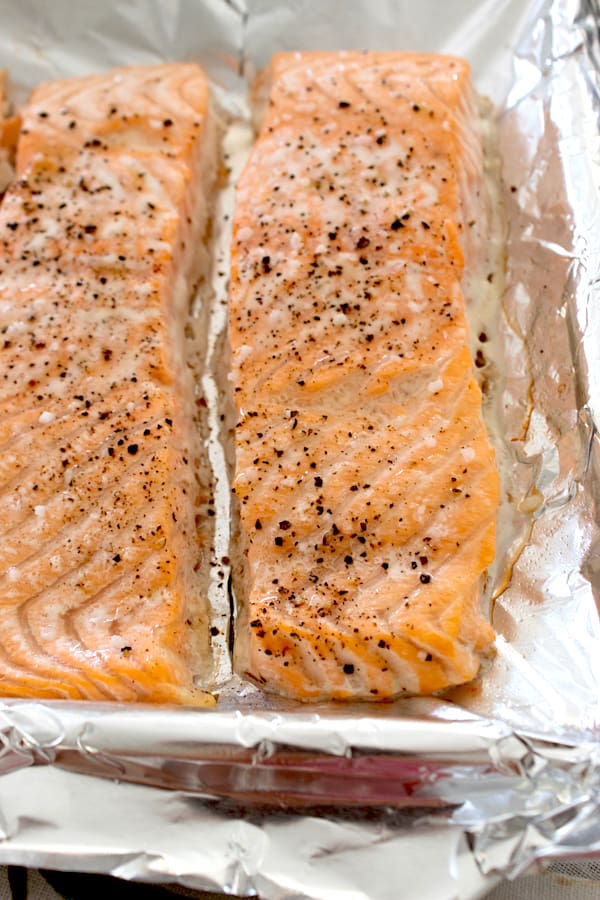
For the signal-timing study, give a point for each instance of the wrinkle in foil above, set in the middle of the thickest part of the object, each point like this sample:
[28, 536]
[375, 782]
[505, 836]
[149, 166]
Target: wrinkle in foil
[425, 797]
[547, 673]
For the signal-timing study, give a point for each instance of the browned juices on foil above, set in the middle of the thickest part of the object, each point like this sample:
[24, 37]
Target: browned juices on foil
[103, 568]
[366, 485]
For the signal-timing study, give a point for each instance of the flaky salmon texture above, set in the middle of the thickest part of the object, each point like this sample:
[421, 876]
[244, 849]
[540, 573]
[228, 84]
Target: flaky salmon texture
[103, 566]
[366, 484]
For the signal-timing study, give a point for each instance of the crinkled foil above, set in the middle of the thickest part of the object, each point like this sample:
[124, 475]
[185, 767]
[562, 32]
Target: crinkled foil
[435, 798]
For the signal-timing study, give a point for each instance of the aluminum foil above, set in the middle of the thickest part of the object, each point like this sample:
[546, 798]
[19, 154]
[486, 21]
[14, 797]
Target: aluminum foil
[423, 798]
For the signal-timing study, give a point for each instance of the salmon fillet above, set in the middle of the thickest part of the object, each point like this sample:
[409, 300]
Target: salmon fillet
[366, 484]
[9, 131]
[103, 477]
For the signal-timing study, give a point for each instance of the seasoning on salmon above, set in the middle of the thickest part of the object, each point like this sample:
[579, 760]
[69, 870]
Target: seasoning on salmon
[365, 480]
[103, 565]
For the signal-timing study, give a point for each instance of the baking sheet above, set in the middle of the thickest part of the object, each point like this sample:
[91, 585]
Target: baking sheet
[261, 795]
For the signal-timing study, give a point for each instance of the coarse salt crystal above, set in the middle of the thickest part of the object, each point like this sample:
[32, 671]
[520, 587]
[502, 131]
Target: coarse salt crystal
[338, 318]
[242, 353]
[46, 417]
[434, 386]
[429, 193]
[468, 454]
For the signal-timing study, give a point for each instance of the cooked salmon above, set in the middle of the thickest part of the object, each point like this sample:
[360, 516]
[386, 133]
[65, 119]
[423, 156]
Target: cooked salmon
[366, 484]
[104, 488]
[9, 131]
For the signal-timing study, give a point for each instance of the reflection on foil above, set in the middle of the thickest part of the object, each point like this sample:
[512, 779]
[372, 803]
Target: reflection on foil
[29, 734]
[547, 672]
[556, 812]
[262, 796]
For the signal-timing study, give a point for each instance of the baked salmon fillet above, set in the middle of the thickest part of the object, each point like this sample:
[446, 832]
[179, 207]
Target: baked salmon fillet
[9, 131]
[104, 491]
[366, 484]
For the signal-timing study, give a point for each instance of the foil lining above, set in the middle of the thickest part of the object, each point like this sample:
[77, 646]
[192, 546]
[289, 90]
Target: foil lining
[424, 797]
